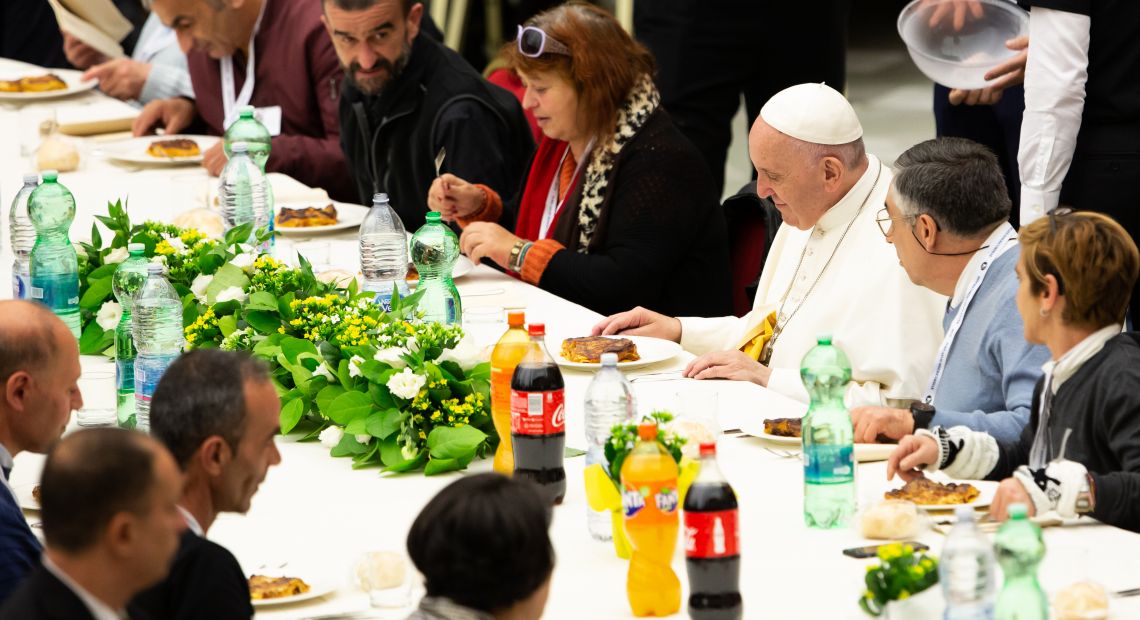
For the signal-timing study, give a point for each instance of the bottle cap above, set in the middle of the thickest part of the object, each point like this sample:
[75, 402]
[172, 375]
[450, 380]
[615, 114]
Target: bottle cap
[50, 176]
[246, 111]
[135, 248]
[379, 198]
[536, 329]
[965, 514]
[824, 339]
[609, 359]
[31, 179]
[433, 217]
[1018, 511]
[239, 147]
[708, 448]
[647, 431]
[516, 318]
[153, 268]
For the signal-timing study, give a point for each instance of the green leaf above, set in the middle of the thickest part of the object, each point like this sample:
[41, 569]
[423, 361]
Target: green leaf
[394, 460]
[372, 457]
[96, 238]
[570, 453]
[326, 397]
[262, 300]
[481, 371]
[438, 466]
[294, 347]
[262, 321]
[97, 293]
[291, 414]
[382, 396]
[227, 324]
[382, 424]
[349, 406]
[376, 372]
[238, 234]
[451, 371]
[357, 426]
[283, 306]
[343, 374]
[268, 348]
[210, 262]
[228, 275]
[445, 442]
[348, 446]
[104, 271]
[94, 339]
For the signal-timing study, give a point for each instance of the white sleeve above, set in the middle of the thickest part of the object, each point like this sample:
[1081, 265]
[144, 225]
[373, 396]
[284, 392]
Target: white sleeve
[1055, 76]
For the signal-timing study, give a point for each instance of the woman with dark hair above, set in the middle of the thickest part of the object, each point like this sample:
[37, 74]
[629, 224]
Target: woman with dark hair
[1080, 453]
[484, 551]
[618, 208]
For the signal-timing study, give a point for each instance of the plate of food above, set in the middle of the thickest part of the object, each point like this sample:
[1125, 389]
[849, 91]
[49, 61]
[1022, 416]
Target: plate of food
[28, 496]
[632, 351]
[931, 494]
[310, 218]
[43, 84]
[788, 432]
[283, 589]
[161, 150]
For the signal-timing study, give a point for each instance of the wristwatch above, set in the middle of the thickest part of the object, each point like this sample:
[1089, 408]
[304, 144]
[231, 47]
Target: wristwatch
[1086, 497]
[922, 413]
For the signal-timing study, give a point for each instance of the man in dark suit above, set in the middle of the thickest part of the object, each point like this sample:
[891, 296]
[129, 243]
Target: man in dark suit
[218, 414]
[111, 522]
[39, 368]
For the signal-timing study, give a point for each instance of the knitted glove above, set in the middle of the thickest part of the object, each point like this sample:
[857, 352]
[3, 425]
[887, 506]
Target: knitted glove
[1055, 487]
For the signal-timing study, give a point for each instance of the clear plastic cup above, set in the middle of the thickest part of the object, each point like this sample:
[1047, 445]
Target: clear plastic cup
[97, 385]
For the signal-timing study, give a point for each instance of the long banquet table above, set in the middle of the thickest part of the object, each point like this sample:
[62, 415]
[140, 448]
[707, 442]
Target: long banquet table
[314, 514]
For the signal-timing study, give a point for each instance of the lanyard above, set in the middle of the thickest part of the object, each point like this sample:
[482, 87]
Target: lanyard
[231, 103]
[553, 204]
[1009, 239]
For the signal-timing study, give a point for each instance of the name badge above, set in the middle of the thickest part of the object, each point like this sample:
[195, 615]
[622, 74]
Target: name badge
[270, 117]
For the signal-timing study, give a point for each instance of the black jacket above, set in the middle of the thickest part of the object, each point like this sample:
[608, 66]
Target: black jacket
[44, 597]
[439, 101]
[205, 582]
[1101, 404]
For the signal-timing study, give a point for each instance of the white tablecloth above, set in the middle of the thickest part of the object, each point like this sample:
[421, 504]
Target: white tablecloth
[316, 514]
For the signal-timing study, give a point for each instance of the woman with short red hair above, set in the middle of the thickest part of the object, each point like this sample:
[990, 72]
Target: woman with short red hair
[618, 208]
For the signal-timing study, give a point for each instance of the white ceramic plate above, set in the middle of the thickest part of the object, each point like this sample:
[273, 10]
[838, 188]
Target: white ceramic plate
[317, 589]
[24, 495]
[651, 350]
[348, 216]
[133, 150]
[74, 85]
[987, 488]
[864, 452]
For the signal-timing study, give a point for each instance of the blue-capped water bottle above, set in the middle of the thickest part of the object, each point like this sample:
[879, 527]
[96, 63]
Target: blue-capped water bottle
[828, 438]
[54, 264]
[384, 252]
[243, 197]
[22, 235]
[158, 338]
[127, 283]
[434, 252]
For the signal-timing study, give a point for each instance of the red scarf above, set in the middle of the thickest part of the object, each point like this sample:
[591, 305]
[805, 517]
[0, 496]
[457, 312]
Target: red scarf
[547, 167]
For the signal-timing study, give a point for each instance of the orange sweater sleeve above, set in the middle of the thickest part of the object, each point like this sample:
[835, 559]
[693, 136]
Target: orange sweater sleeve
[537, 258]
[491, 210]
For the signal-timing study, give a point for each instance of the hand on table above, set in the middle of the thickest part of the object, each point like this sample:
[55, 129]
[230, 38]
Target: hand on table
[871, 422]
[914, 453]
[639, 322]
[1008, 73]
[455, 198]
[1010, 492]
[172, 115]
[121, 78]
[486, 240]
[79, 54]
[733, 365]
[214, 159]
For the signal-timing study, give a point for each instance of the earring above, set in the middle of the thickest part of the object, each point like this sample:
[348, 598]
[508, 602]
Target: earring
[1044, 313]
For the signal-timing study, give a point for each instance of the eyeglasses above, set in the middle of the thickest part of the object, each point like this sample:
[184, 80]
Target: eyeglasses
[534, 42]
[885, 225]
[884, 220]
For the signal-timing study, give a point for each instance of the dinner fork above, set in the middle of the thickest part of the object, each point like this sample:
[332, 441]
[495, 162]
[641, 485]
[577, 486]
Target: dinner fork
[665, 375]
[439, 160]
[784, 454]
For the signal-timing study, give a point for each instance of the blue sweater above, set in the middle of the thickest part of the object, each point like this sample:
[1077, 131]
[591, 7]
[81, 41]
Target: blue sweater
[19, 549]
[991, 370]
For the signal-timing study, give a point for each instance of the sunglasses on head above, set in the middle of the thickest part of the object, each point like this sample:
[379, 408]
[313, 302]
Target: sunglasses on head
[1053, 215]
[534, 42]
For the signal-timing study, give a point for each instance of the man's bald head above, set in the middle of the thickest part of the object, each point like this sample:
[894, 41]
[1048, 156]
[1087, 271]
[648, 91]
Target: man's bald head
[29, 335]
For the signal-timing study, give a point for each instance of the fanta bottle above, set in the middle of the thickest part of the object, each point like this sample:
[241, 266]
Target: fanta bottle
[650, 502]
[507, 354]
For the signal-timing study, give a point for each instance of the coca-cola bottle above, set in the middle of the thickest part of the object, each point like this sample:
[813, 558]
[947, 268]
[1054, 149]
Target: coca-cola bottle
[712, 544]
[538, 418]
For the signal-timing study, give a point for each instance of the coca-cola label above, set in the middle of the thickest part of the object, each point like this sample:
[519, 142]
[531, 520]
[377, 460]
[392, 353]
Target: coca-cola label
[711, 534]
[538, 413]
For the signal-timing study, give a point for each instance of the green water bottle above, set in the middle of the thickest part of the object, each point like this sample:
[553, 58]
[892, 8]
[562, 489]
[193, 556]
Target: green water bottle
[1019, 549]
[126, 284]
[828, 438]
[434, 251]
[259, 143]
[54, 264]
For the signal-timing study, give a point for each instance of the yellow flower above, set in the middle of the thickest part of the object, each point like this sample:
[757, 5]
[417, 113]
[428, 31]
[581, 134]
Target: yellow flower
[422, 435]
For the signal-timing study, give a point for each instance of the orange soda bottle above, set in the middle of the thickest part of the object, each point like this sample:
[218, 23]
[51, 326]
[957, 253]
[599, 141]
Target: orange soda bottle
[508, 352]
[650, 502]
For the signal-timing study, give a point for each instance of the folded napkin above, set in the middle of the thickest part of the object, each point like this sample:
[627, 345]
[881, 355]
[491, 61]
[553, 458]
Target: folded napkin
[101, 116]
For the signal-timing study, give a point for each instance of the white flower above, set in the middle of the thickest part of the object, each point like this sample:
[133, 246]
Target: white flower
[159, 260]
[109, 315]
[245, 248]
[230, 294]
[177, 244]
[363, 439]
[199, 285]
[391, 356]
[467, 353]
[116, 255]
[406, 384]
[331, 436]
[244, 261]
[323, 370]
[354, 366]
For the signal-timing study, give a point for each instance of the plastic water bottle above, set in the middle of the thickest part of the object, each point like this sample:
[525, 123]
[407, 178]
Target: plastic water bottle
[243, 195]
[609, 401]
[828, 438]
[384, 252]
[54, 264]
[22, 235]
[1020, 548]
[434, 251]
[966, 571]
[127, 283]
[158, 338]
[259, 144]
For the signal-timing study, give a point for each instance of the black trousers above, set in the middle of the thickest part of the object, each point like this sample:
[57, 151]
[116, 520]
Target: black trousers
[711, 52]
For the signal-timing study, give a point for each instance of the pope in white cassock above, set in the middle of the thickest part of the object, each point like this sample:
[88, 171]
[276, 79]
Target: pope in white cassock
[828, 271]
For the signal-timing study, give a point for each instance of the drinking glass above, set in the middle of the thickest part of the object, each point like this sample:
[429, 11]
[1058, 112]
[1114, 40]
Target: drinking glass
[97, 385]
[697, 416]
[485, 324]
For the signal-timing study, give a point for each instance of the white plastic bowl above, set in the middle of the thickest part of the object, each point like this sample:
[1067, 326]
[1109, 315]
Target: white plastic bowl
[959, 58]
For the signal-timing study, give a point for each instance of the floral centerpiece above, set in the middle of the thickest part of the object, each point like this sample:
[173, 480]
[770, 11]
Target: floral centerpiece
[899, 575]
[384, 388]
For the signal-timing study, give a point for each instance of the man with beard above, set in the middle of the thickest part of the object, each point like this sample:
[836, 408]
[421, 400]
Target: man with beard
[407, 99]
[218, 414]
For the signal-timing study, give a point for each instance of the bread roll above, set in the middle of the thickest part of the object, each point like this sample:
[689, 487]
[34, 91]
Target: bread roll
[57, 154]
[890, 520]
[204, 220]
[1083, 600]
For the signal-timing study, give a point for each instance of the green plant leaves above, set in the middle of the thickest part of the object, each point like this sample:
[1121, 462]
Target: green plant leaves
[348, 407]
[291, 413]
[262, 300]
[97, 292]
[454, 443]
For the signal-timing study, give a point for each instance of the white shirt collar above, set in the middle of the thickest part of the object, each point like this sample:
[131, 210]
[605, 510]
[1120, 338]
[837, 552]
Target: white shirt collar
[99, 610]
[1076, 357]
[191, 522]
[844, 211]
[996, 237]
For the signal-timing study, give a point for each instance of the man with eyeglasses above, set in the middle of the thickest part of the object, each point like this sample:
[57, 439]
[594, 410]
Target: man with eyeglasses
[946, 215]
[411, 109]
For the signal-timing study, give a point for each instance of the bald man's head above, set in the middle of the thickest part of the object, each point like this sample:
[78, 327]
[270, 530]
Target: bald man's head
[39, 371]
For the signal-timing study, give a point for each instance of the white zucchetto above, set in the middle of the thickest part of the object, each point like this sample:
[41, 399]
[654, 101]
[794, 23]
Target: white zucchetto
[815, 113]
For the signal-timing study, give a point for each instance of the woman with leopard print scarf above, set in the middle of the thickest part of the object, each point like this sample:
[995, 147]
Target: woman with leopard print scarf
[618, 208]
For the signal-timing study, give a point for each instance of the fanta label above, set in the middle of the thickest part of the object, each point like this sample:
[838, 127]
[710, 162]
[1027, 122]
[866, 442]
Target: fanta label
[712, 534]
[658, 500]
[538, 413]
[632, 502]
